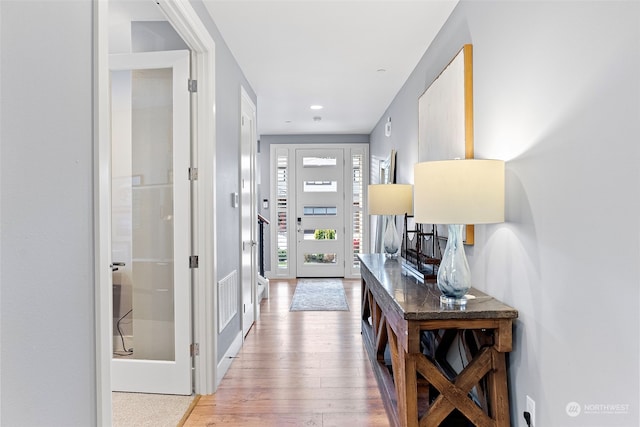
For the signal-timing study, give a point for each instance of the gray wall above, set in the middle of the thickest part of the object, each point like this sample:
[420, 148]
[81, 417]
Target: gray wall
[557, 94]
[229, 78]
[264, 161]
[47, 340]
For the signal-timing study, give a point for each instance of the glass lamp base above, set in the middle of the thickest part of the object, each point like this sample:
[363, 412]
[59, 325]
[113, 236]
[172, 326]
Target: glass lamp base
[391, 241]
[454, 277]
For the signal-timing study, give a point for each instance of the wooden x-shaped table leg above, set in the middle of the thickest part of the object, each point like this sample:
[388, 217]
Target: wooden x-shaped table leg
[455, 394]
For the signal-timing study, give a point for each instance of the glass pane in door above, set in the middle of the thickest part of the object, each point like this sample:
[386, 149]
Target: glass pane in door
[357, 160]
[282, 209]
[143, 214]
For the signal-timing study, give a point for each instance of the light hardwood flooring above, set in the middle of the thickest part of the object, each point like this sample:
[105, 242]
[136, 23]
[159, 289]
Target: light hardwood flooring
[300, 368]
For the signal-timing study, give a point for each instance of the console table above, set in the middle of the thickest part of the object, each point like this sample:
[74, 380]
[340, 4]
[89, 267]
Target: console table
[408, 336]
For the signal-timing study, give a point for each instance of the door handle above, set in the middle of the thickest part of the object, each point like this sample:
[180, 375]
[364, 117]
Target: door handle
[251, 244]
[114, 265]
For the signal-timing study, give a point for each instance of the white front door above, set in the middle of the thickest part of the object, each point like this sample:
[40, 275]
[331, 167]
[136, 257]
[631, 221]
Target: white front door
[320, 213]
[151, 235]
[248, 210]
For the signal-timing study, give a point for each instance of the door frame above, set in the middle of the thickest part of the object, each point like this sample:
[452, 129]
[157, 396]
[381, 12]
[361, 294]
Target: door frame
[188, 25]
[289, 150]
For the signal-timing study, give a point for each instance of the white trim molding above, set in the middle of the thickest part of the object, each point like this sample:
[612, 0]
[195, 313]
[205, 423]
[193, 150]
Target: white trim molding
[102, 206]
[189, 26]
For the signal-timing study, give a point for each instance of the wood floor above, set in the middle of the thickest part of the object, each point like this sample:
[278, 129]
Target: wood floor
[300, 368]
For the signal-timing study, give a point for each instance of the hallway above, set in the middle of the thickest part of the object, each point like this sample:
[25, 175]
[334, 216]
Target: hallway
[298, 369]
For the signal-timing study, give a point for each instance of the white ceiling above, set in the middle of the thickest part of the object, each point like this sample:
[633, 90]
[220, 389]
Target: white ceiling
[296, 53]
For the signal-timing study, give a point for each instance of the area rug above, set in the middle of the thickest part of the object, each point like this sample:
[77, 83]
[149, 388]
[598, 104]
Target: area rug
[319, 295]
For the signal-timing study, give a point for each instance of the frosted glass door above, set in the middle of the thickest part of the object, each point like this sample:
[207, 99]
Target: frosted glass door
[320, 212]
[150, 222]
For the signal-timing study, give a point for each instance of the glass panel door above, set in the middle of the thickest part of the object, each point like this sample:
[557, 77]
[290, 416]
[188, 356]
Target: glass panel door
[151, 222]
[320, 212]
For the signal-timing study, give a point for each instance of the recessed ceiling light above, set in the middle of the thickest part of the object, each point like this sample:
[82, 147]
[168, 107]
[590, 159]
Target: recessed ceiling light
[316, 107]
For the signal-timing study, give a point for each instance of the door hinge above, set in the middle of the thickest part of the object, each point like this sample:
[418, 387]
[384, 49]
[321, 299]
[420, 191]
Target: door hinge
[193, 261]
[194, 349]
[193, 86]
[242, 120]
[193, 174]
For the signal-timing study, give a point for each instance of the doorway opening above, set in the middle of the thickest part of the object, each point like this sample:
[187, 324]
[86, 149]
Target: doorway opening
[318, 212]
[181, 18]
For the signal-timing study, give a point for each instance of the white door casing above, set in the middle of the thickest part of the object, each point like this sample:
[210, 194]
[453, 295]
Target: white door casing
[151, 204]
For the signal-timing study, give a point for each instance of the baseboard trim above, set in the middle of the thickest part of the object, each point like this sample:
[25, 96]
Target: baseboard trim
[225, 363]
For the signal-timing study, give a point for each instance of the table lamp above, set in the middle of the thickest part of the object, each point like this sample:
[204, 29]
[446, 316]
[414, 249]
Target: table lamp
[391, 200]
[458, 192]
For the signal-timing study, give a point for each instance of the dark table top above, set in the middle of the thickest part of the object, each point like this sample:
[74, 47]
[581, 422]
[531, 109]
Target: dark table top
[395, 288]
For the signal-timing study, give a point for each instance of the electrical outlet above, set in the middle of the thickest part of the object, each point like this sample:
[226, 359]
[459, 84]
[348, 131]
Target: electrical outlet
[531, 409]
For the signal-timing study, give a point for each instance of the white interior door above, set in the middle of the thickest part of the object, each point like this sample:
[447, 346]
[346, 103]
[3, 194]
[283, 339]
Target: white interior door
[151, 222]
[249, 211]
[320, 213]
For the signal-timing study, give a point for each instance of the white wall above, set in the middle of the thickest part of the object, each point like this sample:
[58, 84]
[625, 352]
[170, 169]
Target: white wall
[47, 339]
[557, 95]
